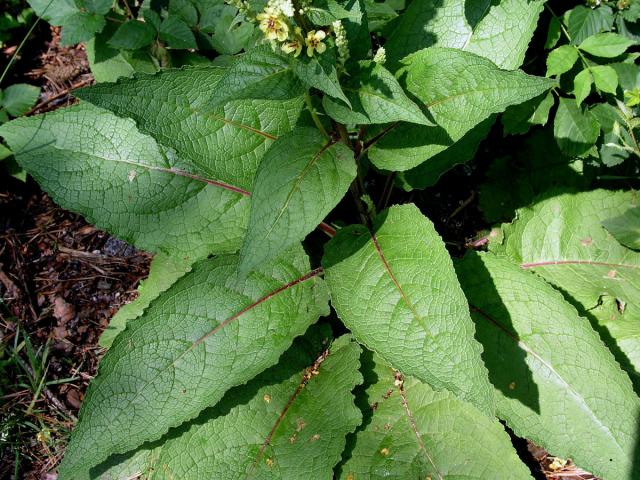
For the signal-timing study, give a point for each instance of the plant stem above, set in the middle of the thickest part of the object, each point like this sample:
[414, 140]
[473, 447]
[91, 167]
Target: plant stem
[386, 192]
[344, 135]
[128, 9]
[314, 115]
[566, 34]
[15, 54]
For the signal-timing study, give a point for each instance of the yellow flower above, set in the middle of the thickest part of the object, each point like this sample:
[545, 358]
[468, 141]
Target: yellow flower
[295, 44]
[314, 42]
[273, 25]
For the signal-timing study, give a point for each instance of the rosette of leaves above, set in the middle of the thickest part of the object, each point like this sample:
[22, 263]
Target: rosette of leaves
[225, 366]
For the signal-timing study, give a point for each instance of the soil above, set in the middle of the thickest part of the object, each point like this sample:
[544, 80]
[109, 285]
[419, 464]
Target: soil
[61, 280]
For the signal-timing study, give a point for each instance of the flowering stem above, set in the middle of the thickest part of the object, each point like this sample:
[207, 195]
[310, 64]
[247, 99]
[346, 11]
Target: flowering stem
[314, 115]
[300, 20]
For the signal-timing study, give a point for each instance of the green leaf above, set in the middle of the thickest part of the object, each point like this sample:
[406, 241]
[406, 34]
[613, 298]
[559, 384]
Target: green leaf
[561, 60]
[394, 287]
[611, 151]
[54, 11]
[534, 166]
[562, 240]
[518, 119]
[302, 177]
[264, 428]
[555, 382]
[553, 34]
[583, 22]
[185, 10]
[575, 131]
[224, 143]
[460, 90]
[127, 183]
[163, 273]
[320, 72]
[80, 20]
[631, 14]
[132, 35]
[607, 115]
[177, 33]
[325, 12]
[499, 31]
[80, 27]
[4, 152]
[582, 85]
[100, 7]
[416, 432]
[356, 27]
[107, 64]
[607, 45]
[625, 228]
[19, 98]
[577, 254]
[429, 172]
[231, 33]
[260, 73]
[605, 78]
[209, 332]
[628, 75]
[379, 14]
[376, 97]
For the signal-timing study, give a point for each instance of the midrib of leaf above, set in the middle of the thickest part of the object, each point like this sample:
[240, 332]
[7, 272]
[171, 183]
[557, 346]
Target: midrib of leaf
[293, 283]
[172, 171]
[471, 29]
[546, 263]
[296, 184]
[306, 377]
[234, 124]
[387, 268]
[458, 95]
[414, 427]
[551, 370]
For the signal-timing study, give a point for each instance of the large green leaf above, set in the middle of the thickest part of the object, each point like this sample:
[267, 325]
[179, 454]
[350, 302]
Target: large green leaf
[209, 332]
[376, 97]
[499, 31]
[625, 227]
[556, 383]
[301, 178]
[416, 432]
[394, 287]
[264, 429]
[429, 172]
[562, 240]
[460, 89]
[224, 143]
[97, 164]
[262, 74]
[163, 272]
